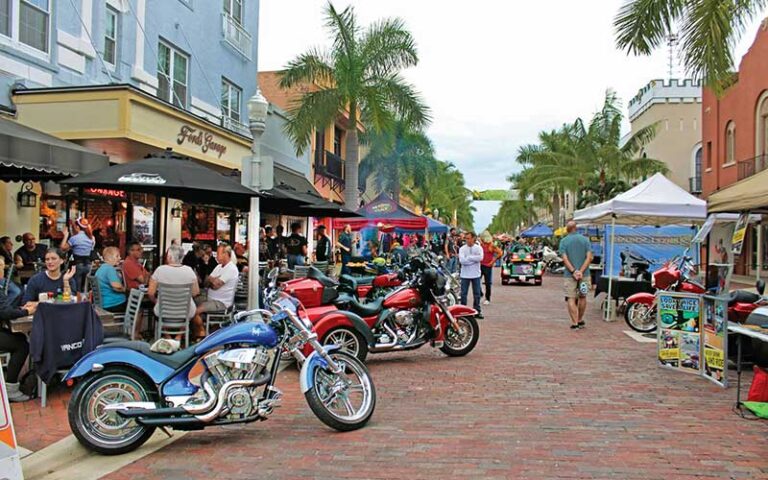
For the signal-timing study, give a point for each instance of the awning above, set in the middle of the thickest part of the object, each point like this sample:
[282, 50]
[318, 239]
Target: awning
[385, 212]
[29, 154]
[538, 230]
[748, 194]
[296, 186]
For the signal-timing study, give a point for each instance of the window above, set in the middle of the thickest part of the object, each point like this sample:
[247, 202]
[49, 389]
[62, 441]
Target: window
[33, 23]
[234, 8]
[709, 155]
[172, 71]
[337, 134]
[695, 186]
[230, 100]
[730, 143]
[110, 37]
[762, 125]
[5, 17]
[319, 147]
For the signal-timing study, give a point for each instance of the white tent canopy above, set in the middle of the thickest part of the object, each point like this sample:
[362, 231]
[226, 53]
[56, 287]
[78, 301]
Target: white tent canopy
[656, 201]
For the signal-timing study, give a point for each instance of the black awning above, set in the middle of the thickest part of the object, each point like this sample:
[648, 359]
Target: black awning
[297, 186]
[31, 155]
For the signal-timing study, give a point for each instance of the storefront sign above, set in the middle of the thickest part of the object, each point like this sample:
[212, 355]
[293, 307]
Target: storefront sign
[142, 178]
[10, 463]
[202, 139]
[106, 192]
[715, 331]
[679, 337]
[737, 242]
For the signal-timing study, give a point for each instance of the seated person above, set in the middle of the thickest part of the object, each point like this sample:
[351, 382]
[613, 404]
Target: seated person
[30, 253]
[173, 273]
[110, 283]
[133, 271]
[51, 280]
[15, 344]
[14, 292]
[220, 295]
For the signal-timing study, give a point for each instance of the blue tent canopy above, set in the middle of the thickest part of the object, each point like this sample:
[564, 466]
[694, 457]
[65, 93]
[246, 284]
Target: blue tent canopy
[538, 230]
[432, 225]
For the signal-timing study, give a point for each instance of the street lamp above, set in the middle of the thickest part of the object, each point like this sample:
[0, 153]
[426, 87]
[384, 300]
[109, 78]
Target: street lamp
[257, 175]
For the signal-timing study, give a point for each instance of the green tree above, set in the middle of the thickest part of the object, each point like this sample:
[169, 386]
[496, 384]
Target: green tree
[708, 31]
[358, 76]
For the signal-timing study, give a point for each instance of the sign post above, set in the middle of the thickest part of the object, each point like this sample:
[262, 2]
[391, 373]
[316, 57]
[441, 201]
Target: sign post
[10, 462]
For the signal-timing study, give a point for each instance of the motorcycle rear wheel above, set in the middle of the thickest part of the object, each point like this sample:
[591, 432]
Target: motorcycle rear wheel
[458, 344]
[350, 341]
[640, 317]
[343, 408]
[107, 432]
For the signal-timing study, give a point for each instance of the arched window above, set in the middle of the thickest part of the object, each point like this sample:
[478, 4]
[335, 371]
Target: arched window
[696, 168]
[730, 143]
[762, 125]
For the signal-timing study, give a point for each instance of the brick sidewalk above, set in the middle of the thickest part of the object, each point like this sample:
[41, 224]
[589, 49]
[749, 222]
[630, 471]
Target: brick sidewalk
[38, 427]
[534, 400]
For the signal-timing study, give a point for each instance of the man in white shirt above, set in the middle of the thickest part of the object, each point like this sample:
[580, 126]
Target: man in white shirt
[220, 294]
[470, 256]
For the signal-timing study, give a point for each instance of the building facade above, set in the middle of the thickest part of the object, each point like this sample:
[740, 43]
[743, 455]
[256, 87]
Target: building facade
[674, 106]
[128, 78]
[735, 137]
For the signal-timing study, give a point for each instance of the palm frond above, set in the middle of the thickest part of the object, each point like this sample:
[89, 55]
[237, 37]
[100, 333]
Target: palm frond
[312, 111]
[312, 67]
[403, 100]
[387, 47]
[643, 25]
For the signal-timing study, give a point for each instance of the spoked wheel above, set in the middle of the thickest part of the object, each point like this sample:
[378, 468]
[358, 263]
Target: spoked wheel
[350, 341]
[462, 341]
[451, 299]
[342, 401]
[105, 431]
[640, 317]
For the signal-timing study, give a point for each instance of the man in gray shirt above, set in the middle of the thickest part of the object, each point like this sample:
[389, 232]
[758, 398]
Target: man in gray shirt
[577, 255]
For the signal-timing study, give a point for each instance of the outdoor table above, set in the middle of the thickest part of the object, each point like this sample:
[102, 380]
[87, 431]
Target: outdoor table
[623, 287]
[742, 331]
[24, 324]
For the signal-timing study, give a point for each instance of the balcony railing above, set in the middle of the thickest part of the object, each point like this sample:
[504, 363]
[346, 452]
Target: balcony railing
[236, 36]
[694, 185]
[333, 167]
[238, 127]
[747, 168]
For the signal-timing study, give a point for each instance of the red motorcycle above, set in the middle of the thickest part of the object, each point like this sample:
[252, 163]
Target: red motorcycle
[640, 311]
[370, 287]
[411, 316]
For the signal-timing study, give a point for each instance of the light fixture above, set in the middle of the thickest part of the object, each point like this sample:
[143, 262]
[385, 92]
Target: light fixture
[26, 197]
[176, 210]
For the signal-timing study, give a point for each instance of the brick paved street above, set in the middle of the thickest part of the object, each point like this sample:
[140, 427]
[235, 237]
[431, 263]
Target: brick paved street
[534, 400]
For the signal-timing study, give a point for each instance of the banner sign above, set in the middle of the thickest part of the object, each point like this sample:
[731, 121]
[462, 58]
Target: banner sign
[656, 244]
[715, 339]
[679, 332]
[10, 463]
[737, 241]
[595, 236]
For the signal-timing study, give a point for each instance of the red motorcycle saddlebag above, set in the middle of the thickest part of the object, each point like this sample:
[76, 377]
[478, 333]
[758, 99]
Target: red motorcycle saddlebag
[758, 391]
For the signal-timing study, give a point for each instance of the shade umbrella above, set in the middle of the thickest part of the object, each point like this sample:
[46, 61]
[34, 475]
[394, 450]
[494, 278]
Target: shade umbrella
[538, 230]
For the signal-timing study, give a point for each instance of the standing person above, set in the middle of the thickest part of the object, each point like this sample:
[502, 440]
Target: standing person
[220, 295]
[345, 246]
[323, 245]
[133, 271]
[491, 253]
[192, 257]
[296, 247]
[576, 251]
[110, 284]
[470, 256]
[82, 244]
[279, 243]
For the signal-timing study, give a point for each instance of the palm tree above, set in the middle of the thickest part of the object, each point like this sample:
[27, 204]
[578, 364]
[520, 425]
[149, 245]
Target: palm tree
[360, 77]
[708, 31]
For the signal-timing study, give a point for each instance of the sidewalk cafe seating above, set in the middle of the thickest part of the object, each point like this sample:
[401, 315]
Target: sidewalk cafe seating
[221, 317]
[131, 317]
[118, 322]
[173, 310]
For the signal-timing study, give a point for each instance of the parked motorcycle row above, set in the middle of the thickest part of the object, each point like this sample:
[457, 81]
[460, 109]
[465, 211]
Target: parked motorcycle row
[124, 391]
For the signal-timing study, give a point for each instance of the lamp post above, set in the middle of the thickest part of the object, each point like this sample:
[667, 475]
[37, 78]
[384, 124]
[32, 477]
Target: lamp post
[257, 175]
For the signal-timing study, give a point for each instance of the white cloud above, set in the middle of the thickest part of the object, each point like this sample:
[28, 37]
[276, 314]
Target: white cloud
[494, 72]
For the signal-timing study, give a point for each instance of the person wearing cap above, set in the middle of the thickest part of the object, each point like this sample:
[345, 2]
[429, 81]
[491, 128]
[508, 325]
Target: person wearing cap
[81, 244]
[323, 245]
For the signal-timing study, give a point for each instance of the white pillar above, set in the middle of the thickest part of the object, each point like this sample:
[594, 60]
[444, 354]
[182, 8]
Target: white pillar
[310, 238]
[608, 317]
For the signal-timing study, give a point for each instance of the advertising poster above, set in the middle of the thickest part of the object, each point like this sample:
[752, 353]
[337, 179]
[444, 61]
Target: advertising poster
[715, 339]
[198, 223]
[679, 337]
[655, 244]
[739, 233]
[143, 225]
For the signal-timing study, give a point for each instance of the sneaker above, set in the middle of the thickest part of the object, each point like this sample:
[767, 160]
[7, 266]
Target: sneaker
[574, 327]
[14, 394]
[582, 325]
[479, 316]
[487, 302]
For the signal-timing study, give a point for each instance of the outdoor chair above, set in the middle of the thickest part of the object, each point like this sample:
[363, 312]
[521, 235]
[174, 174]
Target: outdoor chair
[218, 318]
[173, 310]
[300, 271]
[322, 266]
[241, 292]
[119, 318]
[8, 279]
[130, 318]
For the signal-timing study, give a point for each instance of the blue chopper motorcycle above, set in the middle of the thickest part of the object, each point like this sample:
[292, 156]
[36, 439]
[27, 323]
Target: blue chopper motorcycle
[125, 391]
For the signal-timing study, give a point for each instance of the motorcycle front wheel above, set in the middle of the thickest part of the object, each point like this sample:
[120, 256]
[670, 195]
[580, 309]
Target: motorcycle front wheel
[344, 401]
[461, 342]
[640, 317]
[103, 431]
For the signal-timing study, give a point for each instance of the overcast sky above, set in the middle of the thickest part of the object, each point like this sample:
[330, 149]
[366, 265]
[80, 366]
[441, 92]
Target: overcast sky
[494, 72]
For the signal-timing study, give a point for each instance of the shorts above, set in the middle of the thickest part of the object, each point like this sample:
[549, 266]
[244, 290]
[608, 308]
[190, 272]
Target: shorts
[207, 306]
[571, 286]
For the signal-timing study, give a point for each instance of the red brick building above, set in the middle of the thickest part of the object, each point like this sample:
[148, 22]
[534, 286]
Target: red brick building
[735, 133]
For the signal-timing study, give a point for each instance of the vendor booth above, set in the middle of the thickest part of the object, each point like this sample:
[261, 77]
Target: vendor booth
[433, 226]
[539, 230]
[386, 212]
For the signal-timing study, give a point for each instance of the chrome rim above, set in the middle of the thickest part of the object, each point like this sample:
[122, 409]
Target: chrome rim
[347, 396]
[107, 426]
[640, 316]
[345, 339]
[459, 340]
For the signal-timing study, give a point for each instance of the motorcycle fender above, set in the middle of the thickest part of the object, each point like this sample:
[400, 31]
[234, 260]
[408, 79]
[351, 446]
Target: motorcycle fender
[313, 361]
[106, 356]
[342, 318]
[642, 297]
[462, 311]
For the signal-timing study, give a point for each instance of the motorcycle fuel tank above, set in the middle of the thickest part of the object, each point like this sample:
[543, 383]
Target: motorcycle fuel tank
[387, 280]
[251, 333]
[404, 298]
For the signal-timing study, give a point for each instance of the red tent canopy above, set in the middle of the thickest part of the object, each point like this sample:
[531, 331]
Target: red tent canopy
[385, 211]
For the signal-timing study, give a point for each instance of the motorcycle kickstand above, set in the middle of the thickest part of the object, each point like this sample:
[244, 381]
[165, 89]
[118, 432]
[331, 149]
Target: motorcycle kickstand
[165, 431]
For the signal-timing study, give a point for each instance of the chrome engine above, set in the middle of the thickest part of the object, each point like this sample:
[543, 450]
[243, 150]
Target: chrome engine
[405, 318]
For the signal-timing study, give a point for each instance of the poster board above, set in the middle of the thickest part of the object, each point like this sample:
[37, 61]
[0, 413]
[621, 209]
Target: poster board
[739, 233]
[656, 244]
[10, 462]
[679, 331]
[715, 339]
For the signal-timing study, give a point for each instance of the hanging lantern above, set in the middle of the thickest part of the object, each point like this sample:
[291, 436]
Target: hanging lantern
[176, 210]
[26, 197]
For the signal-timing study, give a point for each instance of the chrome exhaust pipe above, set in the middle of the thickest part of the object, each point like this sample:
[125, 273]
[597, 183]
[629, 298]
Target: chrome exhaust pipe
[222, 397]
[386, 346]
[209, 402]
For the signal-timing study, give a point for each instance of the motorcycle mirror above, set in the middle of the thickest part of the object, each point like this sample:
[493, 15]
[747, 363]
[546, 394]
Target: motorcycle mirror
[760, 285]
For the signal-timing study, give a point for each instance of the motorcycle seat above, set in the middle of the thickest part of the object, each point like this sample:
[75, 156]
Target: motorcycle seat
[174, 360]
[742, 296]
[355, 282]
[324, 280]
[365, 309]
